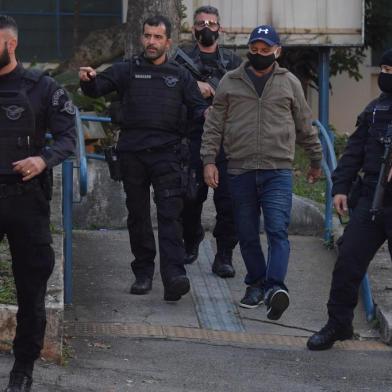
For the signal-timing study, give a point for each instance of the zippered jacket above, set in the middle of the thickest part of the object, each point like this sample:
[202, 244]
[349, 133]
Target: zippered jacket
[260, 132]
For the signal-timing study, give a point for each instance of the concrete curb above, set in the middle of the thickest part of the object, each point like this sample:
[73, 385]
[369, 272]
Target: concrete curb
[54, 298]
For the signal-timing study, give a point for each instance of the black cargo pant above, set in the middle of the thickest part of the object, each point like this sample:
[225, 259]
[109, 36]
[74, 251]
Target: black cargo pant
[25, 220]
[160, 168]
[224, 230]
[361, 240]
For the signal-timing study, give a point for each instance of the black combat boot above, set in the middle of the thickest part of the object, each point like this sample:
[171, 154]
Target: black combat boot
[192, 249]
[222, 265]
[175, 288]
[328, 335]
[141, 286]
[19, 382]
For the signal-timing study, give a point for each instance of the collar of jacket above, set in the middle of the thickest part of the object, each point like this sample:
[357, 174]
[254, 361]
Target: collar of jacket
[240, 72]
[195, 53]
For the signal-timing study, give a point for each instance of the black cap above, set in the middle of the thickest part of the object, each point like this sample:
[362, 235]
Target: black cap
[386, 58]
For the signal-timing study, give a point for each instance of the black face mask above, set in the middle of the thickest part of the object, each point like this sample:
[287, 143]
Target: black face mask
[259, 62]
[5, 57]
[385, 82]
[206, 36]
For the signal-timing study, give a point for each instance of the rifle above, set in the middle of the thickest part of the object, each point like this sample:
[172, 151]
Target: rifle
[213, 81]
[386, 166]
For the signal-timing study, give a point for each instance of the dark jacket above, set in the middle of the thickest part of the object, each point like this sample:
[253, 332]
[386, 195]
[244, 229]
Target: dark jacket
[53, 112]
[364, 148]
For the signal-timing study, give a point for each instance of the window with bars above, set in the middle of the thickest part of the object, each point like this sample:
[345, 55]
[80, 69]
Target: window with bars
[49, 30]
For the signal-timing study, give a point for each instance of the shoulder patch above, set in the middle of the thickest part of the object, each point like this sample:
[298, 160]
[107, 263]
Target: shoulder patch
[56, 96]
[69, 108]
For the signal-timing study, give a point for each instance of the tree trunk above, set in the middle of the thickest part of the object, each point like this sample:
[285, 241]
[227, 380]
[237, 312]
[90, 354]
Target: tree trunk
[140, 10]
[102, 46]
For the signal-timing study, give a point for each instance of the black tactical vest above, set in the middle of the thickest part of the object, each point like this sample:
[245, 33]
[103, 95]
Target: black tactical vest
[17, 123]
[154, 99]
[380, 121]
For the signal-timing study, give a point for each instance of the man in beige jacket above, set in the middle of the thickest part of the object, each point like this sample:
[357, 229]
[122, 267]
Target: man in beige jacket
[260, 112]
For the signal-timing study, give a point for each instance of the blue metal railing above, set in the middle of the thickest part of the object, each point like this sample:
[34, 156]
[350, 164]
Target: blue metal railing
[329, 164]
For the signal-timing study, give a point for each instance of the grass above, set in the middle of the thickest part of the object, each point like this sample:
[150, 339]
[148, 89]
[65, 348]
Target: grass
[7, 286]
[301, 187]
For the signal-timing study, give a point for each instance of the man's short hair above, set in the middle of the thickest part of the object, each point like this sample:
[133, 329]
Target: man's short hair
[7, 22]
[206, 9]
[157, 20]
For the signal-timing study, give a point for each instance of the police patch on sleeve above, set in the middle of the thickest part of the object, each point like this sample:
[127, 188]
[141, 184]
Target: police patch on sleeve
[56, 96]
[69, 108]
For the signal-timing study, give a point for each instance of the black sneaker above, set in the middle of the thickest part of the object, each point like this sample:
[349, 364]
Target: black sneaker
[19, 382]
[277, 302]
[192, 250]
[327, 336]
[254, 296]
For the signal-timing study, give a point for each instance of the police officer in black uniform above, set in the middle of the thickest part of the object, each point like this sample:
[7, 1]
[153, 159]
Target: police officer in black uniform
[208, 63]
[365, 232]
[30, 104]
[154, 93]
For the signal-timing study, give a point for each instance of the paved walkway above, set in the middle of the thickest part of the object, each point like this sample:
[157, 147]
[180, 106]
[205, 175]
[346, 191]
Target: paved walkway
[117, 342]
[102, 279]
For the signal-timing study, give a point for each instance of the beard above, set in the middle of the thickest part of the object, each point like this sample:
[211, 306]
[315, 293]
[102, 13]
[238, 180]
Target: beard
[155, 54]
[4, 57]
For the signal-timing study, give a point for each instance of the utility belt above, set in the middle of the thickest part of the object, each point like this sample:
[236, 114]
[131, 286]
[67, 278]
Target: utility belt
[188, 187]
[19, 188]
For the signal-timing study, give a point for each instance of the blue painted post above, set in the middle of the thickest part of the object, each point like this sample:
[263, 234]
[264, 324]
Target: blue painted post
[67, 170]
[324, 53]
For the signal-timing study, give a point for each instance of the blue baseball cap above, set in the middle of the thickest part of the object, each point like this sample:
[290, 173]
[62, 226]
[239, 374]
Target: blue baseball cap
[266, 34]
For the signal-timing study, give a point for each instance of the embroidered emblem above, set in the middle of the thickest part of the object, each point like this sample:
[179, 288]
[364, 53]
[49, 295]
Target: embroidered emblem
[170, 81]
[265, 31]
[68, 108]
[56, 96]
[143, 76]
[13, 112]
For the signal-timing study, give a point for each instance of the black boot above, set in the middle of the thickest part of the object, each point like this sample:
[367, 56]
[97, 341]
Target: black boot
[19, 382]
[176, 287]
[327, 336]
[222, 265]
[192, 249]
[141, 286]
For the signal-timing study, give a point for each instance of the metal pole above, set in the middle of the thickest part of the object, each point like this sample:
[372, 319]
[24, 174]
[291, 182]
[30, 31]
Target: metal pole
[67, 170]
[324, 53]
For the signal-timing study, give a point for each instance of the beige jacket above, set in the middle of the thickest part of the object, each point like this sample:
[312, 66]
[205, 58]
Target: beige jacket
[259, 132]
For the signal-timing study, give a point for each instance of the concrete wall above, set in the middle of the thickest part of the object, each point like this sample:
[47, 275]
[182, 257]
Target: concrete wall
[104, 207]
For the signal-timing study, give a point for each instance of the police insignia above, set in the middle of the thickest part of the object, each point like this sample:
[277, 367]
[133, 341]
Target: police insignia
[56, 96]
[68, 108]
[170, 81]
[13, 112]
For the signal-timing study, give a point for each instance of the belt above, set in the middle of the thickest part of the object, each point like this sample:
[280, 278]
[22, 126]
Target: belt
[19, 188]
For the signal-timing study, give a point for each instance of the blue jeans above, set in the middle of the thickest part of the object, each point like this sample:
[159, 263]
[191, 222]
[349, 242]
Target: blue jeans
[271, 191]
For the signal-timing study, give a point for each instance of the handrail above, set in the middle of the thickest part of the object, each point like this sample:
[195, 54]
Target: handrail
[81, 156]
[329, 164]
